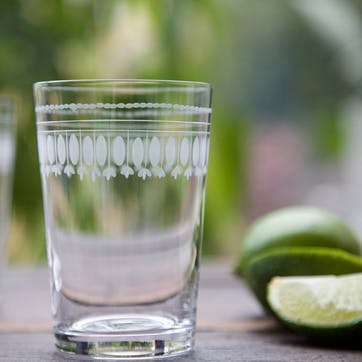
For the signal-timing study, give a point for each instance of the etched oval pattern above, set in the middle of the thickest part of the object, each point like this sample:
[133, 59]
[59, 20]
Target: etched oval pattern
[155, 151]
[159, 155]
[101, 150]
[203, 151]
[196, 151]
[50, 149]
[184, 151]
[170, 151]
[137, 152]
[73, 149]
[42, 149]
[118, 150]
[61, 149]
[88, 150]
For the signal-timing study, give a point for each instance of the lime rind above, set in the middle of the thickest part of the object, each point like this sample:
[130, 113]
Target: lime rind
[297, 261]
[297, 226]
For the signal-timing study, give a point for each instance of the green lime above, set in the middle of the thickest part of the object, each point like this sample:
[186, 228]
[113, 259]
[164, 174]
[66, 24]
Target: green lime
[324, 307]
[297, 226]
[297, 261]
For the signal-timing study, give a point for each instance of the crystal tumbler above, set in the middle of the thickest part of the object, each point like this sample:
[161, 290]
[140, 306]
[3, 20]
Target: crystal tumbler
[123, 166]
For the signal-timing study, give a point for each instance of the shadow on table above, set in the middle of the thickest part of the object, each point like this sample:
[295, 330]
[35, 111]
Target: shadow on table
[282, 335]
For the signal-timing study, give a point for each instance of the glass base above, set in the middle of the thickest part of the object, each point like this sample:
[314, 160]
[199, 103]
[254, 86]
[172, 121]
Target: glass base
[126, 337]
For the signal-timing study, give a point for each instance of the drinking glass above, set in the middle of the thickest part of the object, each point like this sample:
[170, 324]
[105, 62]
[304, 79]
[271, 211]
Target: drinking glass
[7, 150]
[123, 166]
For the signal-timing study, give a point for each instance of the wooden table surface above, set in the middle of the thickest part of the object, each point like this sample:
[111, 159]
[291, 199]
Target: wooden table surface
[230, 327]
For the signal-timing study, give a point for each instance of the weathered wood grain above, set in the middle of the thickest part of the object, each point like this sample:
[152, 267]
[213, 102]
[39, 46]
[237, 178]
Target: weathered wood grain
[231, 325]
[223, 303]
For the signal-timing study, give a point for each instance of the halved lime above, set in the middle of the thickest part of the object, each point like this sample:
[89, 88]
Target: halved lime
[296, 226]
[297, 261]
[319, 306]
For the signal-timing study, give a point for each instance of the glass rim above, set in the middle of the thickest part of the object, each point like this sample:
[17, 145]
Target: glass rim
[121, 81]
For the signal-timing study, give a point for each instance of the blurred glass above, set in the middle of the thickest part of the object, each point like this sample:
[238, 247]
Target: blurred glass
[7, 148]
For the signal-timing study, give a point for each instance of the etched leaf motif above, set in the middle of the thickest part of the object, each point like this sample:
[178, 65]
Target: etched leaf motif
[188, 172]
[137, 152]
[144, 173]
[50, 149]
[126, 171]
[88, 150]
[48, 170]
[61, 149]
[73, 149]
[170, 151]
[69, 170]
[176, 171]
[118, 150]
[184, 151]
[109, 172]
[95, 173]
[101, 150]
[155, 151]
[198, 171]
[158, 172]
[57, 169]
[81, 171]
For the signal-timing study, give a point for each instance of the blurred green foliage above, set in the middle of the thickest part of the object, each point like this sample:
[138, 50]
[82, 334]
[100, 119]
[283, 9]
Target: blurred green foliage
[329, 145]
[266, 59]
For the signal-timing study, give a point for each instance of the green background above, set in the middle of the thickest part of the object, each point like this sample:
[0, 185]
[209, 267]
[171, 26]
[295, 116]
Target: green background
[271, 63]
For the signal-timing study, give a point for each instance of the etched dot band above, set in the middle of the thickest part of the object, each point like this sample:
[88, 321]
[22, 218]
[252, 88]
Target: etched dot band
[50, 108]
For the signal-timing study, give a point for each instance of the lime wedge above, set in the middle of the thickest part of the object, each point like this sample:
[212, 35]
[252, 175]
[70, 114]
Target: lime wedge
[297, 261]
[319, 306]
